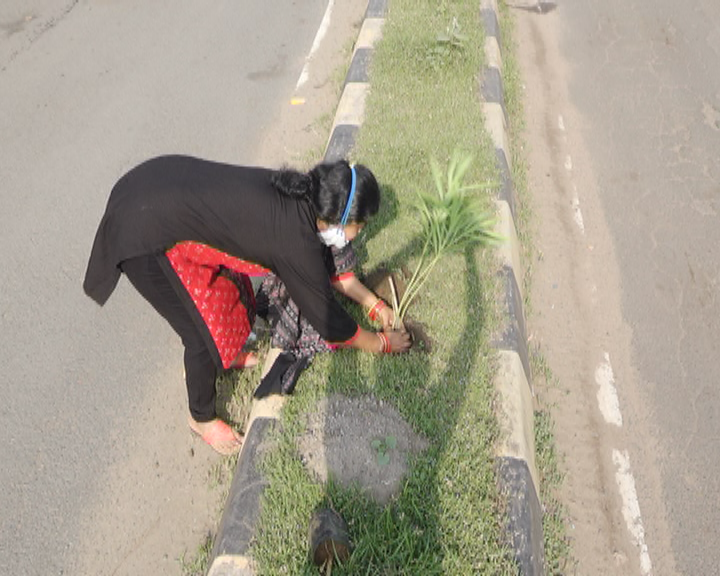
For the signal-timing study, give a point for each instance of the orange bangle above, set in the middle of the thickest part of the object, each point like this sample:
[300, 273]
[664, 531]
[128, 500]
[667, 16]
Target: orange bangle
[374, 312]
[385, 343]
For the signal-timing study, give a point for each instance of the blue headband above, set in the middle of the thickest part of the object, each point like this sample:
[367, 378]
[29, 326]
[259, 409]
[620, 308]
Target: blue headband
[345, 215]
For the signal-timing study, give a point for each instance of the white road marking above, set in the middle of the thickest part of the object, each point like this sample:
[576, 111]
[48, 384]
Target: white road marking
[593, 294]
[610, 408]
[631, 507]
[577, 214]
[324, 25]
[607, 394]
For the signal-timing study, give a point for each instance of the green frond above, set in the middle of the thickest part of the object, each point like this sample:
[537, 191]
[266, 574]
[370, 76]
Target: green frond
[451, 220]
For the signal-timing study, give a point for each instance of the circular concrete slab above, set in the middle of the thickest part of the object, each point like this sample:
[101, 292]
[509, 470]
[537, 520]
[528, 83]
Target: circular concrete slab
[361, 441]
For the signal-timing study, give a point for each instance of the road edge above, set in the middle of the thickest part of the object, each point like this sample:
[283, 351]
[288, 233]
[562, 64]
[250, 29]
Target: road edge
[517, 471]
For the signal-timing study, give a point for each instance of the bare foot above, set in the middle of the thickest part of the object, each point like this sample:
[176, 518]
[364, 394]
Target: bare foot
[245, 360]
[221, 437]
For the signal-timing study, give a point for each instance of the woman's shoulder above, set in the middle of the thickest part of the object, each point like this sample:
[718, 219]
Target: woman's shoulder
[181, 172]
[297, 232]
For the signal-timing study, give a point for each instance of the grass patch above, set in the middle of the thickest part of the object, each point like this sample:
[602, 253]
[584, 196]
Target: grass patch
[558, 552]
[198, 564]
[556, 542]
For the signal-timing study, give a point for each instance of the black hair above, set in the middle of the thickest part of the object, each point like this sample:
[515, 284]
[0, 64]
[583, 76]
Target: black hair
[327, 187]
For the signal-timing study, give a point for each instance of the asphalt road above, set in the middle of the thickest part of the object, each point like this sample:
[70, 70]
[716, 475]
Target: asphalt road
[645, 78]
[87, 90]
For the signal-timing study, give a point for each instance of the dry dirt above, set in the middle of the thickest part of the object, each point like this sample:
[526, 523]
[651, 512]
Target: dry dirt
[576, 318]
[378, 280]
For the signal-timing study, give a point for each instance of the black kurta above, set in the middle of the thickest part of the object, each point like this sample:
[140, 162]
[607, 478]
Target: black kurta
[235, 209]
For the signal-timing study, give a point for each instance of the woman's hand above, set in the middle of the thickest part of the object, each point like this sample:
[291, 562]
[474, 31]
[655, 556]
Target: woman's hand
[399, 341]
[389, 341]
[377, 309]
[386, 316]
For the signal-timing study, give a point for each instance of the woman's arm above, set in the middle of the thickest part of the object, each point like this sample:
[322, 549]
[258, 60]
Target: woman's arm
[324, 311]
[350, 286]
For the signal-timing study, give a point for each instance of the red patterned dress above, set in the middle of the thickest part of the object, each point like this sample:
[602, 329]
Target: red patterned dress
[219, 285]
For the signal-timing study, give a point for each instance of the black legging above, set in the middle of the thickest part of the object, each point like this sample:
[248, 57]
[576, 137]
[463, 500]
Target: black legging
[146, 274]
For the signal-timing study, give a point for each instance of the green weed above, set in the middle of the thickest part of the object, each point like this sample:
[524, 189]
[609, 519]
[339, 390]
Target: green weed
[382, 447]
[198, 564]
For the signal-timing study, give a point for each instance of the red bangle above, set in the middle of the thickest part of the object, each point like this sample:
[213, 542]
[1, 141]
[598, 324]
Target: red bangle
[385, 343]
[341, 277]
[374, 312]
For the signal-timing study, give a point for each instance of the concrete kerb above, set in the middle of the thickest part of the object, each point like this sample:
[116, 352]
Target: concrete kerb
[518, 476]
[351, 108]
[230, 554]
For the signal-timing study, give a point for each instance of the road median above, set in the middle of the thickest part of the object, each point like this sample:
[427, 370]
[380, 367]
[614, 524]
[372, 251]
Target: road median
[469, 502]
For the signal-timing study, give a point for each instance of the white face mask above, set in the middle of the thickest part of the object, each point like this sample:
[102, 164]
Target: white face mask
[333, 236]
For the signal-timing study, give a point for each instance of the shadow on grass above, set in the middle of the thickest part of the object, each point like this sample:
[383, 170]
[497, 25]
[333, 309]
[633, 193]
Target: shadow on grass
[424, 530]
[387, 214]
[411, 535]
